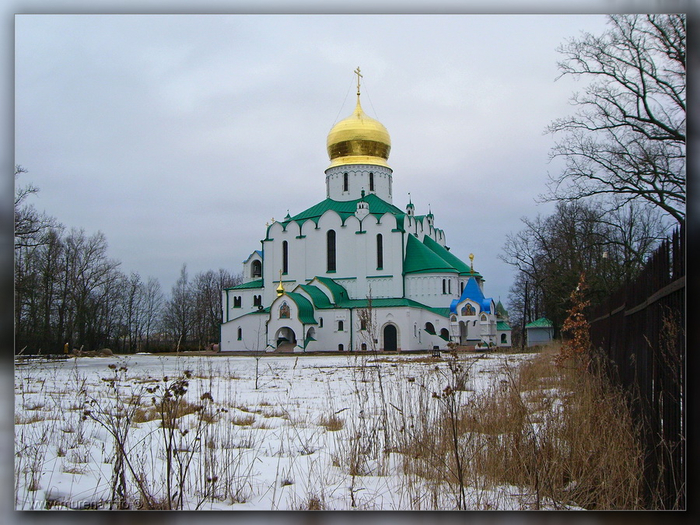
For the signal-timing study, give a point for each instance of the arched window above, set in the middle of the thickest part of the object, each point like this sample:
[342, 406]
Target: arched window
[330, 250]
[240, 333]
[445, 334]
[461, 287]
[444, 286]
[285, 257]
[380, 252]
[345, 182]
[504, 339]
[340, 326]
[371, 181]
[320, 322]
[363, 346]
[449, 286]
[430, 328]
[237, 302]
[340, 347]
[257, 300]
[256, 269]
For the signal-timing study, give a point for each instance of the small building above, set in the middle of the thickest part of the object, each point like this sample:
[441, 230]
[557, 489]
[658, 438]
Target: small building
[539, 332]
[503, 329]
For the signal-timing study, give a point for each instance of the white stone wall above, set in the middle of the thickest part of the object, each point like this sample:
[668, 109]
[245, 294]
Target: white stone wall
[358, 179]
[426, 288]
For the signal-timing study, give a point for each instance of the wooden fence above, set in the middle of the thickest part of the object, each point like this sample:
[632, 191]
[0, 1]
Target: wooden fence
[641, 331]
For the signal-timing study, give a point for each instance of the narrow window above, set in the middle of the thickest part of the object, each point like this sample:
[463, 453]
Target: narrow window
[449, 286]
[340, 326]
[371, 181]
[380, 252]
[444, 286]
[363, 324]
[330, 251]
[461, 287]
[320, 322]
[240, 333]
[256, 269]
[285, 257]
[345, 182]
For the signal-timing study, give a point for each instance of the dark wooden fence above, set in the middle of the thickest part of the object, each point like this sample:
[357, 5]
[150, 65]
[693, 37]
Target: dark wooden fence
[641, 330]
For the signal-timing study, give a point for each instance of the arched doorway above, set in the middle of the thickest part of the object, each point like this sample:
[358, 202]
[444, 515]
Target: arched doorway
[285, 339]
[390, 338]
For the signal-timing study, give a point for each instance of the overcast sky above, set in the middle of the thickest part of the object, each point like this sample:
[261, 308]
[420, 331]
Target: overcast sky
[180, 136]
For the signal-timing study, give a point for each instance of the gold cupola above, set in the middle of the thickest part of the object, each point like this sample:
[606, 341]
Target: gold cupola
[358, 139]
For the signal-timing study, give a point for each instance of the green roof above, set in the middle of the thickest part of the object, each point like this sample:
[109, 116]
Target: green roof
[503, 326]
[345, 209]
[252, 284]
[421, 259]
[462, 267]
[338, 292]
[542, 322]
[319, 299]
[392, 302]
[500, 309]
[306, 310]
[341, 299]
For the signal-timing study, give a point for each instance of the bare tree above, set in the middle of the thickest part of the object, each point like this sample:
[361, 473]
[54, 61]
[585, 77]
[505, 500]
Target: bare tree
[30, 225]
[153, 304]
[628, 137]
[178, 314]
[551, 253]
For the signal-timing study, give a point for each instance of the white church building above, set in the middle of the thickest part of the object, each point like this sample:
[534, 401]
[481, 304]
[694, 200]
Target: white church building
[354, 272]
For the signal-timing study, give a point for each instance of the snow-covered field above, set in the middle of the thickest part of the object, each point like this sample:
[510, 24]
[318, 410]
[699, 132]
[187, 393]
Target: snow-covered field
[278, 432]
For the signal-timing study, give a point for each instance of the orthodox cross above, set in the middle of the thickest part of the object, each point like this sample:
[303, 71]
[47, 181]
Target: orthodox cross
[357, 72]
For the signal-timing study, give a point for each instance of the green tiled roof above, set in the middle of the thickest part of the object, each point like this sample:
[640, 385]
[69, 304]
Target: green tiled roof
[306, 310]
[392, 302]
[319, 298]
[337, 291]
[500, 309]
[503, 326]
[542, 322]
[421, 259]
[345, 209]
[341, 299]
[462, 267]
[245, 286]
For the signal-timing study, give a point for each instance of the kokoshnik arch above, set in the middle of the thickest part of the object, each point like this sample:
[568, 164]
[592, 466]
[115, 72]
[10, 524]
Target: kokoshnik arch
[354, 272]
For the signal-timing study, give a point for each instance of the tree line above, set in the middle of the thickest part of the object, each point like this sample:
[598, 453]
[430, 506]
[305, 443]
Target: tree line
[623, 184]
[69, 292]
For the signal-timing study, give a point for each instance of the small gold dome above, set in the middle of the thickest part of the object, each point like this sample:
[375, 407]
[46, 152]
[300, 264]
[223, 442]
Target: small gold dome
[358, 139]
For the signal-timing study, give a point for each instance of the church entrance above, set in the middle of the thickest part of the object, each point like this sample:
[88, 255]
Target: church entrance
[285, 339]
[390, 338]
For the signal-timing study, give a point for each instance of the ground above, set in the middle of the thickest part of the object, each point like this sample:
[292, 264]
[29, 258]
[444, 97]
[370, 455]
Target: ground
[240, 432]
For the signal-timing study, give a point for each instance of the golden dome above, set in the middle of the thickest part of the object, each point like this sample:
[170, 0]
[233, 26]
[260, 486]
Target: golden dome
[358, 139]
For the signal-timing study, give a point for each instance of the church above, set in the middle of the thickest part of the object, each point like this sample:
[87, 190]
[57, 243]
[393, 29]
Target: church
[356, 273]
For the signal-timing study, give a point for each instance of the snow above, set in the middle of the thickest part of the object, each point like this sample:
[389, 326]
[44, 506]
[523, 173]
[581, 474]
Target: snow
[248, 448]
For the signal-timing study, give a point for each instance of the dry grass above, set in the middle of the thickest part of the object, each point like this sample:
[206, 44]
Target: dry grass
[331, 422]
[243, 421]
[562, 432]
